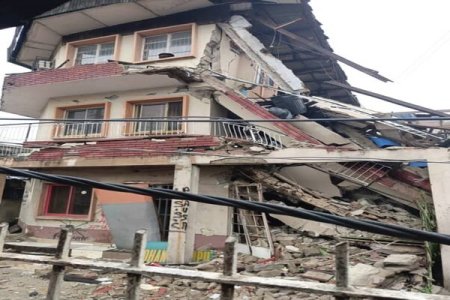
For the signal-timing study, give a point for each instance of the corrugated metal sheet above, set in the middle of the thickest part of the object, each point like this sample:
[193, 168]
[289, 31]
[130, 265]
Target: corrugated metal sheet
[75, 5]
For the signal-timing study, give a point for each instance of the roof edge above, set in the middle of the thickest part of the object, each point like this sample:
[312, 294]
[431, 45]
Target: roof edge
[16, 45]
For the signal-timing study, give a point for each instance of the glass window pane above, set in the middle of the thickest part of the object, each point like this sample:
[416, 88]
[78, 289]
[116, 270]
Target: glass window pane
[174, 110]
[59, 199]
[150, 111]
[76, 114]
[106, 52]
[94, 127]
[84, 128]
[95, 113]
[86, 55]
[81, 201]
[180, 43]
[75, 128]
[154, 45]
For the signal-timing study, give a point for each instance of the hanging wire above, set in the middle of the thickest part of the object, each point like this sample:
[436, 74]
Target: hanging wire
[370, 226]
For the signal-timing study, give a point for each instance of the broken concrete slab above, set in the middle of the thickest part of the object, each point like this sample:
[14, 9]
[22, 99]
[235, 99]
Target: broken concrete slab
[367, 275]
[318, 276]
[313, 228]
[397, 249]
[283, 76]
[394, 260]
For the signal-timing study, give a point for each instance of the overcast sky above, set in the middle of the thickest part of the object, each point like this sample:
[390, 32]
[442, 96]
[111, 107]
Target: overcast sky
[407, 41]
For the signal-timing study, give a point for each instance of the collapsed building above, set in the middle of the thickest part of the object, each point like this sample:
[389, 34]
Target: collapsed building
[200, 96]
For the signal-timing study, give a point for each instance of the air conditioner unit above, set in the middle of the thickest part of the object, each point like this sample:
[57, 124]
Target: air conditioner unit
[44, 64]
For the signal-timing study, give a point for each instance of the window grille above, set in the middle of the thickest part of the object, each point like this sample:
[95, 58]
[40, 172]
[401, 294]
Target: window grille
[176, 43]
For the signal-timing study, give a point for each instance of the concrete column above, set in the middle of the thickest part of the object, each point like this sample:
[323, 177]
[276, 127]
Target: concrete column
[439, 176]
[182, 214]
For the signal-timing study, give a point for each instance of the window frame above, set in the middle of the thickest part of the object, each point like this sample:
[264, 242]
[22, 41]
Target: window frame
[72, 48]
[139, 41]
[266, 86]
[61, 113]
[130, 111]
[45, 202]
[97, 53]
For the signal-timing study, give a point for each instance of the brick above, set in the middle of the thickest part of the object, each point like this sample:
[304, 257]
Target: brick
[124, 148]
[79, 72]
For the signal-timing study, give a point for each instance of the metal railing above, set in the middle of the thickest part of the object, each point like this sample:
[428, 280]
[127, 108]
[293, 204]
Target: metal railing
[115, 129]
[136, 270]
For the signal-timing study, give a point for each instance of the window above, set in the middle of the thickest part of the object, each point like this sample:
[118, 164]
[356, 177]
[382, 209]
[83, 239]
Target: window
[64, 200]
[176, 44]
[264, 88]
[94, 54]
[159, 110]
[80, 129]
[162, 207]
[165, 43]
[93, 51]
[155, 109]
[263, 78]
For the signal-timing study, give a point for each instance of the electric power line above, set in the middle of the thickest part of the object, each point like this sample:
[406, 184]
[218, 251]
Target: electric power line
[370, 226]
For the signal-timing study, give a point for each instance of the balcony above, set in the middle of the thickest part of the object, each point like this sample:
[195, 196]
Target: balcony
[13, 136]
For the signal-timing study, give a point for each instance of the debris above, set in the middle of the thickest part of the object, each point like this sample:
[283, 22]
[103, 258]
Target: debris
[148, 287]
[86, 277]
[367, 275]
[211, 266]
[267, 267]
[33, 294]
[318, 276]
[270, 273]
[290, 248]
[202, 285]
[400, 260]
[397, 249]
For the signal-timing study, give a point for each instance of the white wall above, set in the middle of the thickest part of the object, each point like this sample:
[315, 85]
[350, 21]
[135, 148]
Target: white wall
[126, 49]
[213, 219]
[196, 107]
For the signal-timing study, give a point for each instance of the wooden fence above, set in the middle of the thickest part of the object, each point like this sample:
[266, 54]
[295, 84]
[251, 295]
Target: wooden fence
[136, 269]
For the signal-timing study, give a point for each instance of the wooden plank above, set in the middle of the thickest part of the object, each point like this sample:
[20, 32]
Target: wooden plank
[303, 286]
[137, 260]
[3, 232]
[229, 267]
[341, 262]
[57, 275]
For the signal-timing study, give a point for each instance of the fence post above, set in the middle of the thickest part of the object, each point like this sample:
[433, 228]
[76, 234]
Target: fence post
[57, 275]
[137, 260]
[342, 267]
[229, 267]
[3, 232]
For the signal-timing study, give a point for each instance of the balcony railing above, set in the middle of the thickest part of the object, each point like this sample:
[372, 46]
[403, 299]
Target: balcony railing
[116, 129]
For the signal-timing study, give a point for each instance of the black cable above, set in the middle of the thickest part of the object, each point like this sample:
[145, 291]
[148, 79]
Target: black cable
[260, 207]
[370, 226]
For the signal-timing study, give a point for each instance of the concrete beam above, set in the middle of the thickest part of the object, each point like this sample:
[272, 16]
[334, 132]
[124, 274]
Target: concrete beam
[315, 155]
[182, 214]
